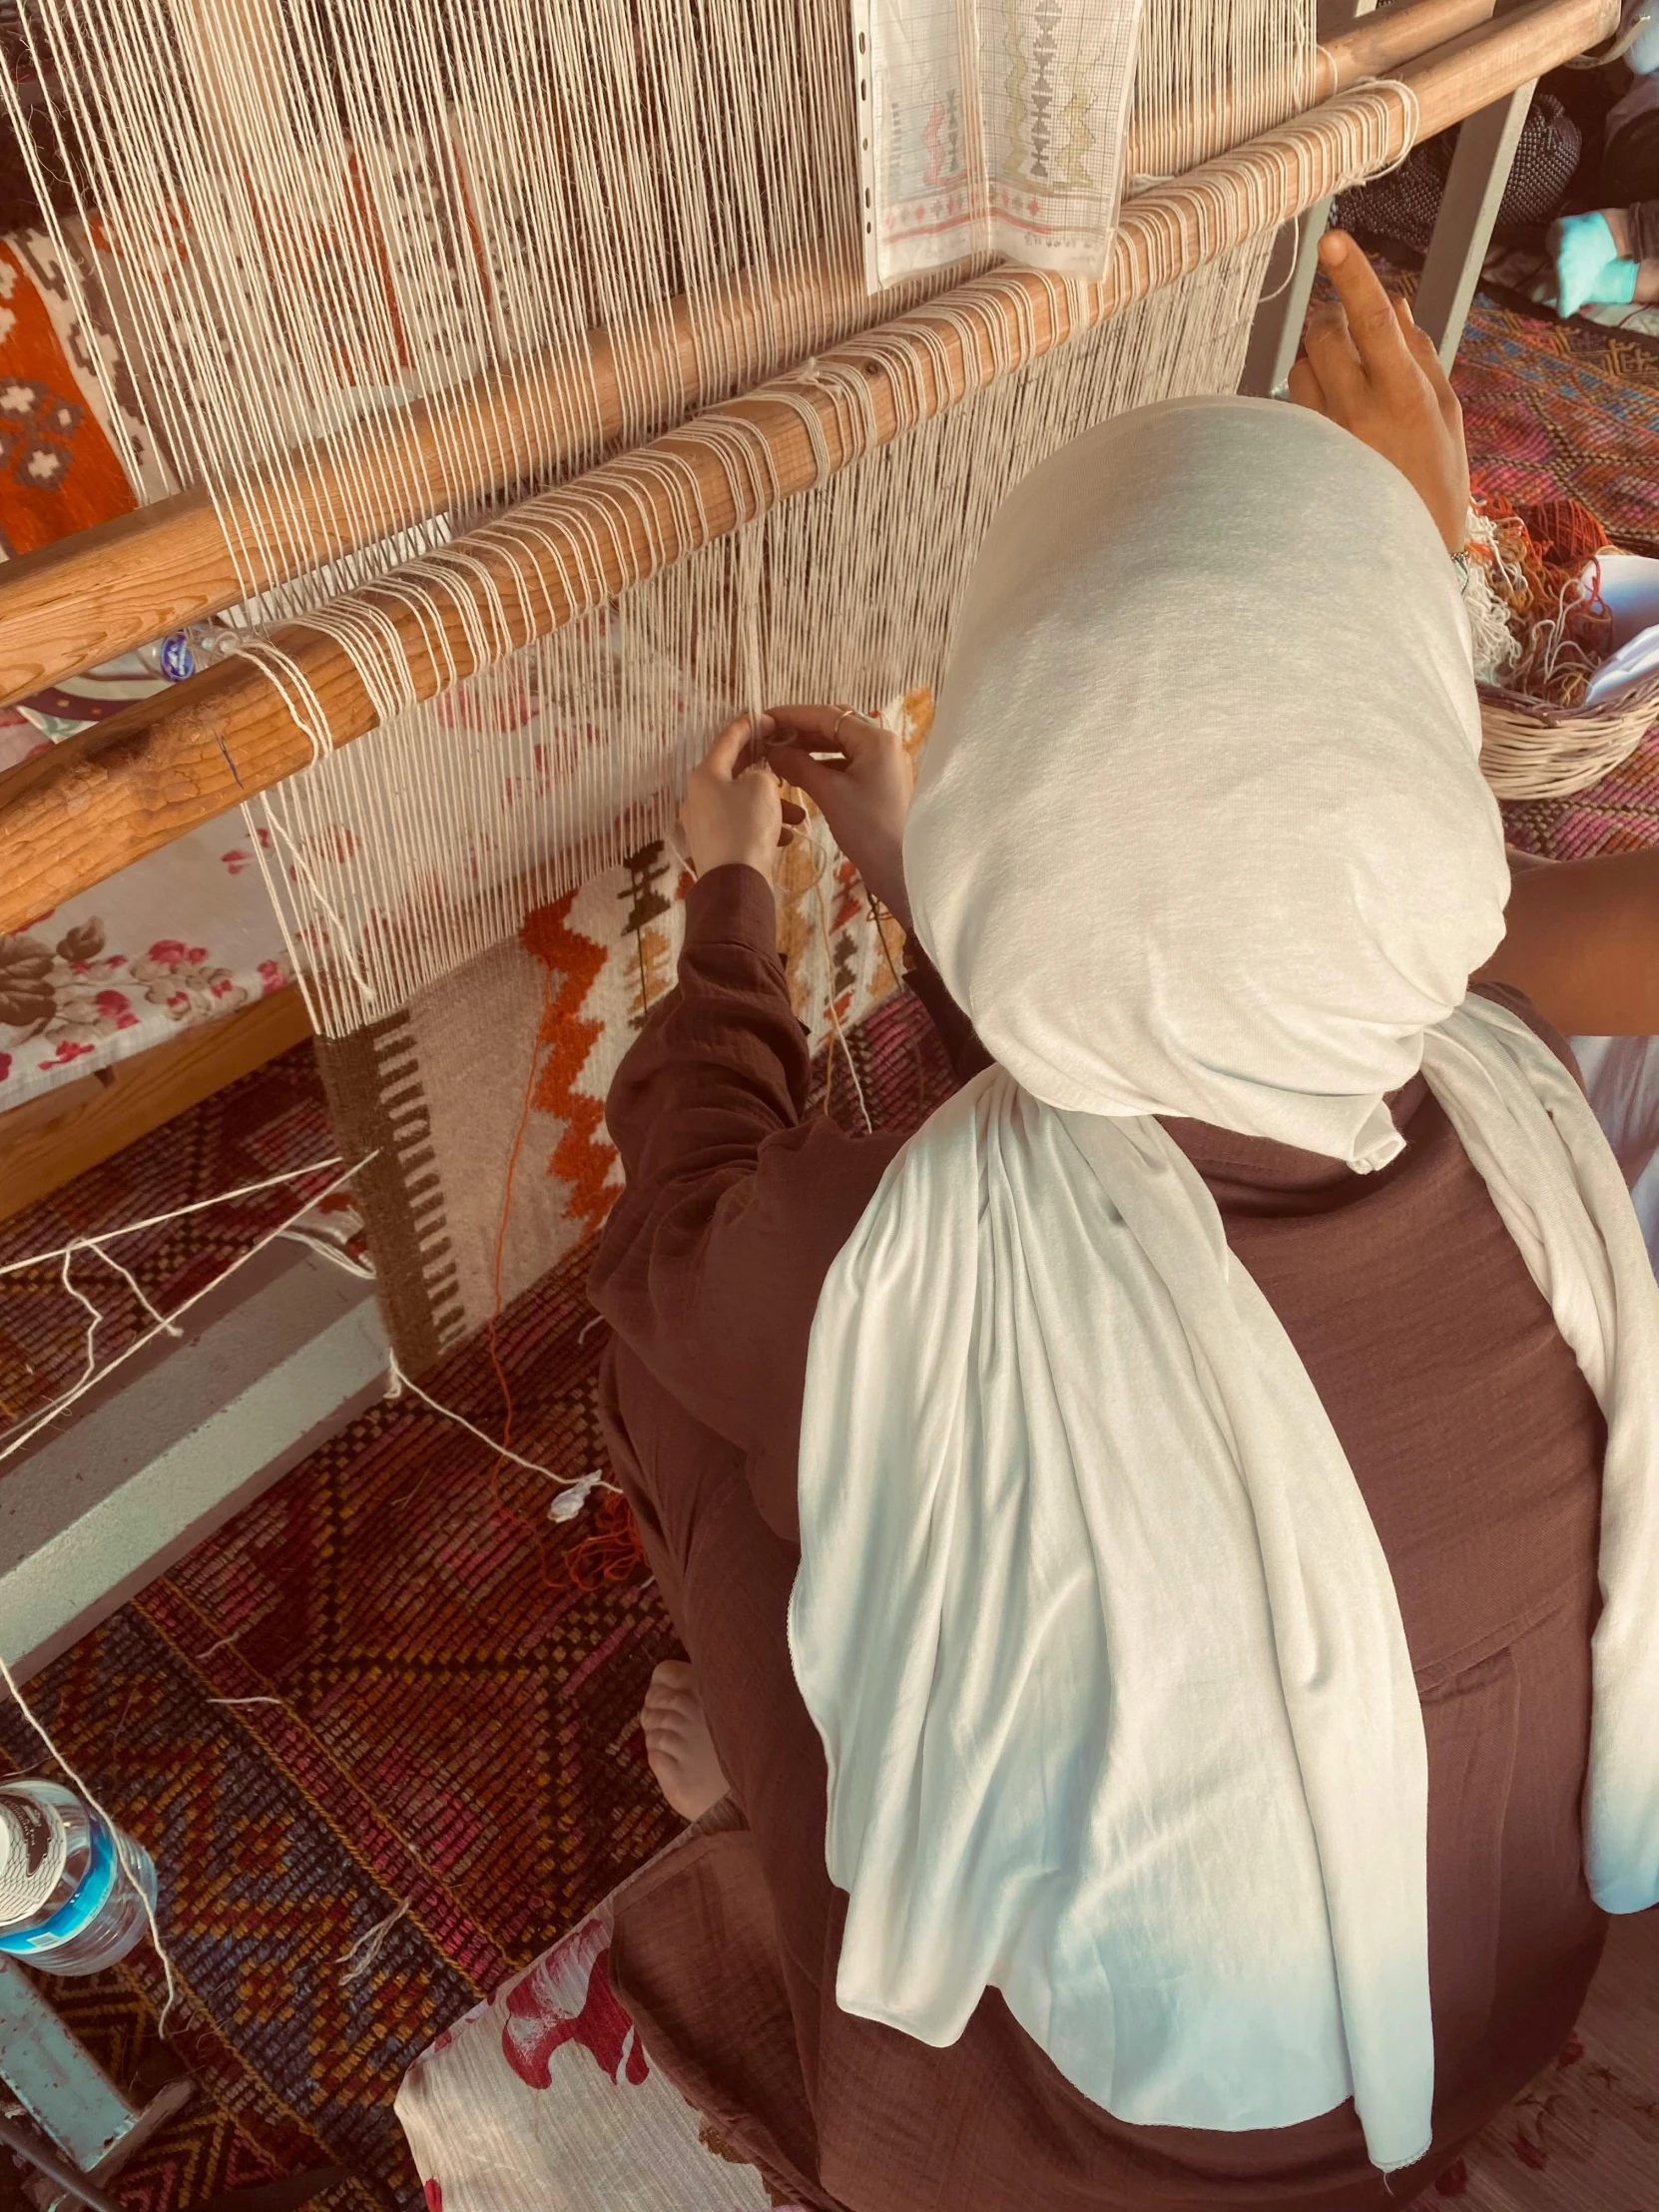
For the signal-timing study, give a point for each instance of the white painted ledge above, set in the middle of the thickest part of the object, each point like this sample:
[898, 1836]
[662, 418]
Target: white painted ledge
[188, 1431]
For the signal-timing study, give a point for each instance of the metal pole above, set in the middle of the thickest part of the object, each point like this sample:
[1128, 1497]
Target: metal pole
[1473, 194]
[55, 2169]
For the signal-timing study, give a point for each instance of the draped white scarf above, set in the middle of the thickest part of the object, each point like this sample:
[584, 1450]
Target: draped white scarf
[1091, 1616]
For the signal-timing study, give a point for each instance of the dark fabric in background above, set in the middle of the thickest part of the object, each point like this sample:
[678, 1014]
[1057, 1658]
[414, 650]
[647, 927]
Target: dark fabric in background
[1562, 166]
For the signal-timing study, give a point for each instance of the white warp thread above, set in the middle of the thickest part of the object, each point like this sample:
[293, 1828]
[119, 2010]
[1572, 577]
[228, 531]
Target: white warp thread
[166, 1324]
[573, 1486]
[489, 187]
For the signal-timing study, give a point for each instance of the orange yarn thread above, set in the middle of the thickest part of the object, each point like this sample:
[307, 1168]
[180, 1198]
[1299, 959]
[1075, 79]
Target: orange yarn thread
[1539, 574]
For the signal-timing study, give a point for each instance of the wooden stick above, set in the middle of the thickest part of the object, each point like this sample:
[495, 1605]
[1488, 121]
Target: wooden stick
[74, 815]
[1491, 60]
[1380, 42]
[1375, 46]
[109, 589]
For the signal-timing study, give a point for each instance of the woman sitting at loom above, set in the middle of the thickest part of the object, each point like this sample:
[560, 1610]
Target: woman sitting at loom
[1138, 1541]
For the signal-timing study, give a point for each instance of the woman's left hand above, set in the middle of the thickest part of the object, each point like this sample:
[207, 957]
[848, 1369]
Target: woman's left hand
[734, 813]
[1370, 368]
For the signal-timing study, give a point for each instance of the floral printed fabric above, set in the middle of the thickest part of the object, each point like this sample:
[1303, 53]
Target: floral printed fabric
[189, 933]
[181, 937]
[544, 2097]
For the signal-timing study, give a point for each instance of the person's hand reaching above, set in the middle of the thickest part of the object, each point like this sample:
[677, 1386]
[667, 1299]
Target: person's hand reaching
[862, 789]
[1370, 369]
[733, 812]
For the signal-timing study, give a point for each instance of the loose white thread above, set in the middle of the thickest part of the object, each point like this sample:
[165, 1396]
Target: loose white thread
[585, 1484]
[358, 1958]
[90, 1378]
[157, 1221]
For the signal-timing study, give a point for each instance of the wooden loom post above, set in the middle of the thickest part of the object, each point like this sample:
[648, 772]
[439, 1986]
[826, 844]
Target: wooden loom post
[108, 590]
[72, 816]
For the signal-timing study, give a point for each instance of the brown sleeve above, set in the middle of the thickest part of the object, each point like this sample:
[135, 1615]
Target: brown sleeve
[711, 1263]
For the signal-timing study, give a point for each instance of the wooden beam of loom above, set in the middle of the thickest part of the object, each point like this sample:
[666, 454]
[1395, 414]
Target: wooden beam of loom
[117, 586]
[1381, 41]
[1376, 46]
[74, 815]
[108, 590]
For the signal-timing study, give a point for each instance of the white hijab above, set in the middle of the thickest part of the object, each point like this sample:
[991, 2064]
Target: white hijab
[1091, 1616]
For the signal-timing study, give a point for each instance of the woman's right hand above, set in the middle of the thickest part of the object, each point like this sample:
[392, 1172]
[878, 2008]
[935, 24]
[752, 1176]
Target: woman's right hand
[862, 790]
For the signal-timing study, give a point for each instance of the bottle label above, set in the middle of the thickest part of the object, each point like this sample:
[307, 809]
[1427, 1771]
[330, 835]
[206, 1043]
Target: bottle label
[83, 1908]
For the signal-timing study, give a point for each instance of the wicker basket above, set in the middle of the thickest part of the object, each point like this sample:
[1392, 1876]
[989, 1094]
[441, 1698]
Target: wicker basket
[1530, 750]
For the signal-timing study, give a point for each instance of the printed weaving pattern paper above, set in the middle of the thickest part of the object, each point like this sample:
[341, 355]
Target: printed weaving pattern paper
[992, 127]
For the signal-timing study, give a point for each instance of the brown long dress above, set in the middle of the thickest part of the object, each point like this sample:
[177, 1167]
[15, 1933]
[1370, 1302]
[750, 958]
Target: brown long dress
[1477, 1445]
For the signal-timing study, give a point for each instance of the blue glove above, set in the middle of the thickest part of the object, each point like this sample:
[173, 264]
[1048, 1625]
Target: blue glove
[1588, 265]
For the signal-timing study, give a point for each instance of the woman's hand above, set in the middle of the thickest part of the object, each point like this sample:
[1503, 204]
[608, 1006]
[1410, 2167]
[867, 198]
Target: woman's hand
[733, 812]
[1370, 369]
[863, 790]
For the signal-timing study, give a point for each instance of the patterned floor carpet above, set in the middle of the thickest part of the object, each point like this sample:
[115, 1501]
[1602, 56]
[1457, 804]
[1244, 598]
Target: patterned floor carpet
[1561, 406]
[268, 1125]
[440, 1722]
[1554, 407]
[446, 1727]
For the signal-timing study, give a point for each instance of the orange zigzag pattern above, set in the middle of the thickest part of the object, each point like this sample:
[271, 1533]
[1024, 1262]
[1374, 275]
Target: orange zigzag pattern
[580, 1159]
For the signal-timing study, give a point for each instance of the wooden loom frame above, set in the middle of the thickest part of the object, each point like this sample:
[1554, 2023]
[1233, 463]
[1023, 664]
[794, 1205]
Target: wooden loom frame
[72, 818]
[110, 589]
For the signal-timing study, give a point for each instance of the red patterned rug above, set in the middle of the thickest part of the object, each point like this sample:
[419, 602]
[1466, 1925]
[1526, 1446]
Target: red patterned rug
[1618, 815]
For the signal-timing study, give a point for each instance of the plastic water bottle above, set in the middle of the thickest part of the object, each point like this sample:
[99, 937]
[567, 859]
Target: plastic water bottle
[68, 1904]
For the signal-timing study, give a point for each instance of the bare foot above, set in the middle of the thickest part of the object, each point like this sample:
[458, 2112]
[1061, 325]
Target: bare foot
[678, 1743]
